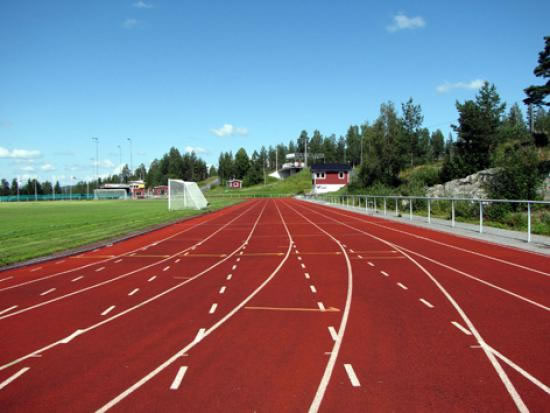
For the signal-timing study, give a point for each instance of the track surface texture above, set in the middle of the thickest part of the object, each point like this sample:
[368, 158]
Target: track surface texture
[279, 306]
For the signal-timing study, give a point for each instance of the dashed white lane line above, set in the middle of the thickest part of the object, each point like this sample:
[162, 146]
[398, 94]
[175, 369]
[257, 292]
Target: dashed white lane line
[360, 257]
[313, 289]
[14, 377]
[352, 251]
[152, 278]
[179, 377]
[351, 374]
[229, 276]
[60, 262]
[178, 260]
[213, 308]
[321, 306]
[402, 286]
[135, 290]
[222, 290]
[100, 269]
[200, 335]
[241, 253]
[6, 310]
[426, 303]
[77, 278]
[119, 260]
[7, 278]
[306, 274]
[299, 258]
[132, 254]
[333, 333]
[186, 254]
[108, 310]
[238, 259]
[384, 273]
[166, 268]
[234, 268]
[303, 266]
[371, 264]
[461, 328]
[51, 290]
[36, 269]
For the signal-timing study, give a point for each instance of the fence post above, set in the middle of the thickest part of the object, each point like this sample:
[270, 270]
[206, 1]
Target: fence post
[429, 211]
[480, 217]
[367, 204]
[396, 208]
[385, 210]
[375, 204]
[528, 221]
[452, 213]
[410, 209]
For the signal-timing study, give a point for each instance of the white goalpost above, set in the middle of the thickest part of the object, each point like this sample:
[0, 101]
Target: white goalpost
[110, 194]
[185, 195]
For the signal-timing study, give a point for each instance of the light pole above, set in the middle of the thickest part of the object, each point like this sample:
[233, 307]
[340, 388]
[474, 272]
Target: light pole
[120, 162]
[96, 158]
[131, 161]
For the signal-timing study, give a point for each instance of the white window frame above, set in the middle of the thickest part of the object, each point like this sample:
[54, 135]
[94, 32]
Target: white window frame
[341, 175]
[320, 175]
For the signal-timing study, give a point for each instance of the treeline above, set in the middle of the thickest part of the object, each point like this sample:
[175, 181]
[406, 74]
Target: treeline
[173, 165]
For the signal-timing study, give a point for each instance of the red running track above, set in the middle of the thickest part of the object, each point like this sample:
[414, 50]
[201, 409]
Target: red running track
[279, 305]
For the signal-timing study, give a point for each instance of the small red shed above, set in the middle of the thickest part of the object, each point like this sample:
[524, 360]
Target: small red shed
[329, 177]
[235, 183]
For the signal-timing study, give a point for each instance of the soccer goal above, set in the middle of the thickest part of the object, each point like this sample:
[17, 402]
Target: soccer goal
[110, 194]
[185, 195]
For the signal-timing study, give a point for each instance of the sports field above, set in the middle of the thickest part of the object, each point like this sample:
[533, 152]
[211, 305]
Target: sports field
[34, 229]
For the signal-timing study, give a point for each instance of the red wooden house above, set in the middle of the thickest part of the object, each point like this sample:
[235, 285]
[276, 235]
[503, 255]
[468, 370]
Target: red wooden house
[329, 177]
[235, 183]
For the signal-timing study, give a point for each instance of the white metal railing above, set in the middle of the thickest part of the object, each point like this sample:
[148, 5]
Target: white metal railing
[371, 203]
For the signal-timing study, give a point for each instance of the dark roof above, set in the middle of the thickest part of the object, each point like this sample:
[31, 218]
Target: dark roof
[330, 167]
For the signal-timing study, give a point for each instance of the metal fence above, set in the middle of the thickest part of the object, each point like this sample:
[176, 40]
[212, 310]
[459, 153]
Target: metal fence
[442, 208]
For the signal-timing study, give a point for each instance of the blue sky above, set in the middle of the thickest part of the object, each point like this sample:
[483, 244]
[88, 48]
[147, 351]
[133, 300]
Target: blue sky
[215, 76]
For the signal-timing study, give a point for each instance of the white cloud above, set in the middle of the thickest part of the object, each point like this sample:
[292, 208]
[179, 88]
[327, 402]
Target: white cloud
[130, 23]
[196, 149]
[142, 5]
[47, 167]
[19, 153]
[104, 163]
[27, 168]
[402, 22]
[473, 85]
[229, 130]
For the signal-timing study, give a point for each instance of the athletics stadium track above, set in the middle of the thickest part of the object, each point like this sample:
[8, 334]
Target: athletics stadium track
[279, 305]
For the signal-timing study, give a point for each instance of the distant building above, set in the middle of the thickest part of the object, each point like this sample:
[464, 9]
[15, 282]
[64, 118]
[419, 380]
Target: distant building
[329, 177]
[137, 188]
[235, 183]
[161, 190]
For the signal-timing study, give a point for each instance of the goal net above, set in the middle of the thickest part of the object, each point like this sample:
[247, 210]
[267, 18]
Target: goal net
[185, 195]
[110, 194]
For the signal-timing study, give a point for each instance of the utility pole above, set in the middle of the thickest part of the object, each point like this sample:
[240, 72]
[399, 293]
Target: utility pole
[131, 155]
[120, 162]
[96, 157]
[35, 193]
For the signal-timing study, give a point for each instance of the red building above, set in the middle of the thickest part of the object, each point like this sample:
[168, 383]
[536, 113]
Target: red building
[160, 190]
[329, 177]
[235, 183]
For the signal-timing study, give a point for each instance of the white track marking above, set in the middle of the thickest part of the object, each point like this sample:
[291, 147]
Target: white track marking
[234, 268]
[224, 319]
[7, 310]
[108, 310]
[360, 257]
[132, 254]
[426, 303]
[178, 260]
[135, 290]
[200, 335]
[321, 306]
[14, 377]
[152, 278]
[333, 333]
[125, 275]
[371, 264]
[179, 377]
[7, 278]
[213, 308]
[351, 374]
[60, 262]
[520, 405]
[67, 339]
[229, 276]
[241, 253]
[306, 274]
[352, 251]
[461, 328]
[384, 273]
[238, 259]
[303, 266]
[222, 290]
[402, 286]
[77, 278]
[51, 290]
[299, 258]
[313, 289]
[166, 268]
[100, 269]
[186, 254]
[36, 269]
[119, 260]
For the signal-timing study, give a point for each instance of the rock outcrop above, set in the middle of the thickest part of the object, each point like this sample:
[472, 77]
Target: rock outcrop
[473, 186]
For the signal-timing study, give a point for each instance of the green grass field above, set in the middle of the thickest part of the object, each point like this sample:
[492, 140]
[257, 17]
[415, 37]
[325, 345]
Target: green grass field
[34, 229]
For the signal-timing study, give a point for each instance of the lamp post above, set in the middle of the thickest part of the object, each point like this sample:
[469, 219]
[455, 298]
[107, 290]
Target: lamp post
[131, 160]
[96, 158]
[120, 162]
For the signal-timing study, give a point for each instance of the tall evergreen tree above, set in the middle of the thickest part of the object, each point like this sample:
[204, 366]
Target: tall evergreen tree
[537, 95]
[412, 121]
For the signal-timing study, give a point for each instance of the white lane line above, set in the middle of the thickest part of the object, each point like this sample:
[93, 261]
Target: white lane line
[166, 268]
[178, 260]
[234, 268]
[297, 252]
[6, 310]
[179, 377]
[132, 254]
[321, 306]
[119, 260]
[299, 258]
[241, 253]
[463, 329]
[229, 276]
[7, 278]
[333, 333]
[306, 274]
[77, 278]
[426, 303]
[186, 254]
[200, 335]
[152, 278]
[213, 308]
[51, 290]
[352, 377]
[352, 251]
[371, 264]
[303, 266]
[108, 310]
[313, 289]
[238, 259]
[360, 257]
[60, 262]
[222, 290]
[384, 273]
[402, 286]
[135, 290]
[12, 378]
[36, 269]
[100, 269]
